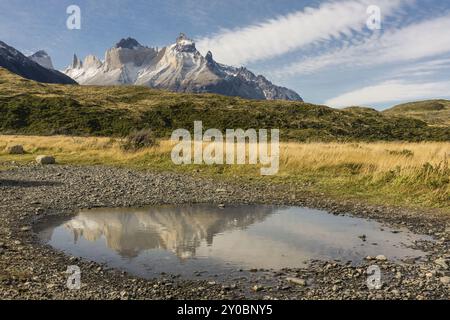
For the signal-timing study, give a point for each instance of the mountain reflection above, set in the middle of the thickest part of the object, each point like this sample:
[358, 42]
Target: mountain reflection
[180, 230]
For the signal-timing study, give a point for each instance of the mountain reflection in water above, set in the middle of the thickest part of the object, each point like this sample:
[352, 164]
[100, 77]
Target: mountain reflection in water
[190, 238]
[180, 230]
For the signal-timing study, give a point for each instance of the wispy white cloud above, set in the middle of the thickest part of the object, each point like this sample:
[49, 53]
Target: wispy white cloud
[422, 40]
[426, 68]
[284, 34]
[391, 91]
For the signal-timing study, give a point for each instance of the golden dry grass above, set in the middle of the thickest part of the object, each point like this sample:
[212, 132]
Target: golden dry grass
[367, 158]
[78, 150]
[415, 174]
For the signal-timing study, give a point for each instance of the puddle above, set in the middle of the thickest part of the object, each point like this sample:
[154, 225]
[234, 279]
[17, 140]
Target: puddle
[206, 241]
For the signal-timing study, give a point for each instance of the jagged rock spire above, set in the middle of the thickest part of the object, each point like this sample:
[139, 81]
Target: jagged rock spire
[76, 63]
[209, 57]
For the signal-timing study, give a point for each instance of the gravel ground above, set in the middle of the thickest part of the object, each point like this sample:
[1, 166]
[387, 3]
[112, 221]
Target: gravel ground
[31, 270]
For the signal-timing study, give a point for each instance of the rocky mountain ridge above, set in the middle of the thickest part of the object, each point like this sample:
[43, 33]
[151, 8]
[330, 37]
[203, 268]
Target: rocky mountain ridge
[179, 67]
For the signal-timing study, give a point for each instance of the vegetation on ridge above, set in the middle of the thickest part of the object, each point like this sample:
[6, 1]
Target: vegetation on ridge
[28, 107]
[434, 112]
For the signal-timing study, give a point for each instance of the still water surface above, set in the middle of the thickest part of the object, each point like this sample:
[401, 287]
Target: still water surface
[186, 239]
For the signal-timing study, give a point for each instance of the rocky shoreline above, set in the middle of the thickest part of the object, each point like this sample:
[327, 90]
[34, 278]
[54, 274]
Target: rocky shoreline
[31, 270]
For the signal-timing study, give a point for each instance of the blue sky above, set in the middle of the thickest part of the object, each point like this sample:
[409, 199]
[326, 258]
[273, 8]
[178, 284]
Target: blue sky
[321, 49]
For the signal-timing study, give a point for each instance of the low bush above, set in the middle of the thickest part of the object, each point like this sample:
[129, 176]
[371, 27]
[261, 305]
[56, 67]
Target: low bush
[139, 140]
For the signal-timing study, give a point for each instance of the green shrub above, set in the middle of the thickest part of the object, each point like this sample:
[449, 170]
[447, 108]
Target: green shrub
[405, 152]
[139, 140]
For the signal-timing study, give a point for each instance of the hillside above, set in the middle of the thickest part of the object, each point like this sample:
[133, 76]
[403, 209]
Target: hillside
[434, 112]
[28, 107]
[27, 67]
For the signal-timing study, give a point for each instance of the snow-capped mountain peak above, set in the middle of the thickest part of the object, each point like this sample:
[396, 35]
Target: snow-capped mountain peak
[92, 61]
[184, 44]
[128, 43]
[179, 67]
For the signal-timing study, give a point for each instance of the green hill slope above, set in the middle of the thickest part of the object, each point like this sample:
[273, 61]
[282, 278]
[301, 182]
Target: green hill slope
[434, 112]
[28, 107]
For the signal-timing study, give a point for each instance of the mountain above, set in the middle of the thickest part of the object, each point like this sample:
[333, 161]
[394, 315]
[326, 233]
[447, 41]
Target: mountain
[179, 67]
[434, 112]
[41, 57]
[14, 61]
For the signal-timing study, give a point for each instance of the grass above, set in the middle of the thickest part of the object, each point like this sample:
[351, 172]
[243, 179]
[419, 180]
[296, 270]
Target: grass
[434, 112]
[393, 173]
[32, 108]
[324, 150]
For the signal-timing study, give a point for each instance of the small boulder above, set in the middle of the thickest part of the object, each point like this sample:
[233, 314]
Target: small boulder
[257, 288]
[17, 149]
[445, 280]
[297, 281]
[44, 160]
[381, 258]
[442, 263]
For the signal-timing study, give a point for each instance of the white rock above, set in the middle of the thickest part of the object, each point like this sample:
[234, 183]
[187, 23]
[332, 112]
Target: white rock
[442, 263]
[381, 258]
[51, 286]
[257, 288]
[297, 281]
[445, 280]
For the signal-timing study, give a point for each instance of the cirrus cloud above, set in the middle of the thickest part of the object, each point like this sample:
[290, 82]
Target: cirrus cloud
[421, 40]
[284, 34]
[391, 91]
